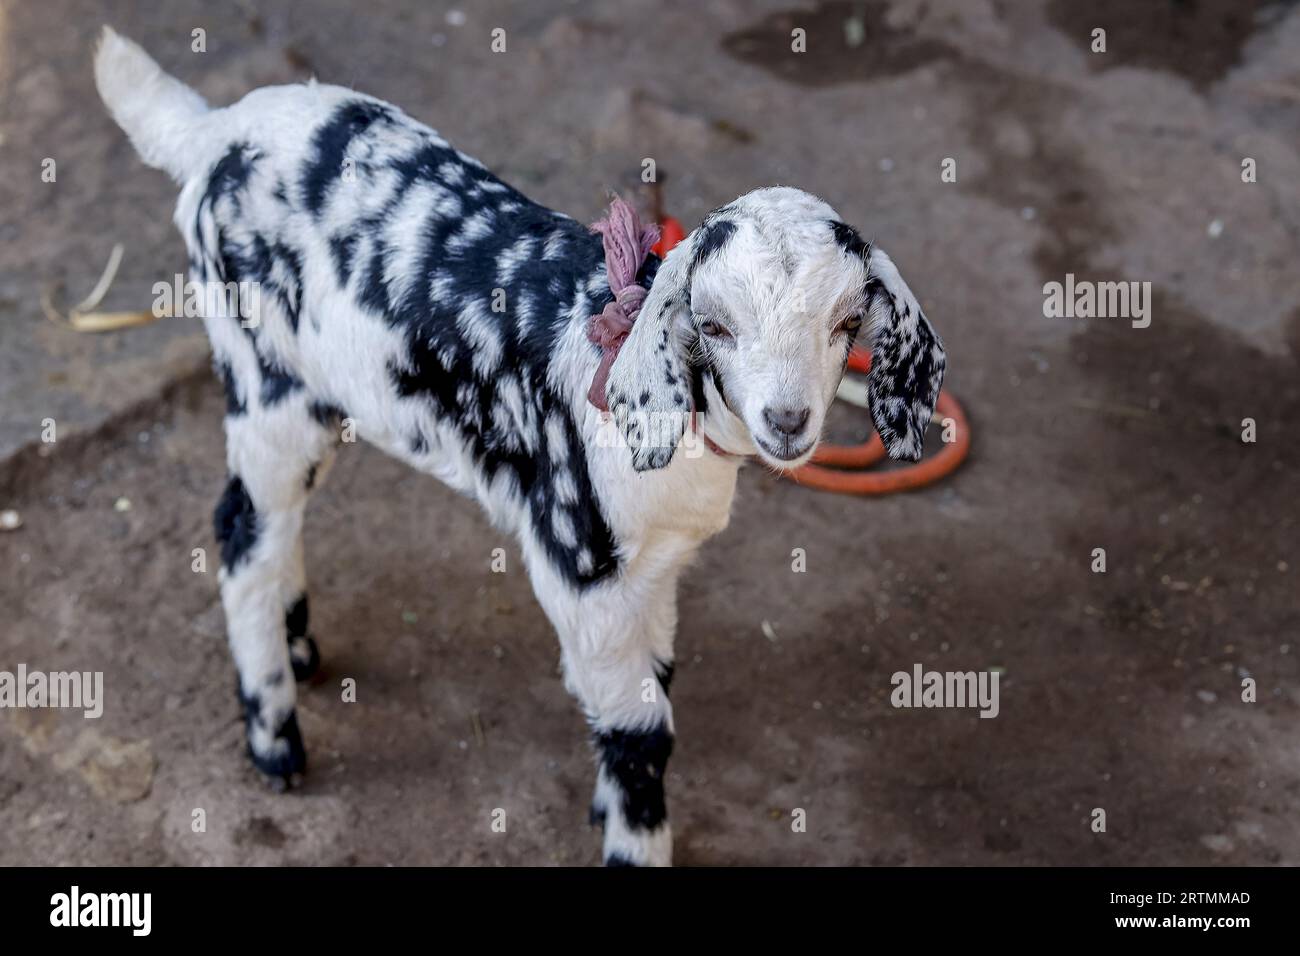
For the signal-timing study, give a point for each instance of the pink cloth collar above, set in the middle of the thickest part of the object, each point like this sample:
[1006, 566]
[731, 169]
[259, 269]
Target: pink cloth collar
[627, 243]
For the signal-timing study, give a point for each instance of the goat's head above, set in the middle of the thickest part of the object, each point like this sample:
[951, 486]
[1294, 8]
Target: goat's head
[749, 322]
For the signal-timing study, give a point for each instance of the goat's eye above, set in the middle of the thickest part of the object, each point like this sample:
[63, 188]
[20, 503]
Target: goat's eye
[851, 325]
[715, 330]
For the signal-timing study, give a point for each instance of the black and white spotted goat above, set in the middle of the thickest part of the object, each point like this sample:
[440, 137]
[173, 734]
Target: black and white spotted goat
[407, 289]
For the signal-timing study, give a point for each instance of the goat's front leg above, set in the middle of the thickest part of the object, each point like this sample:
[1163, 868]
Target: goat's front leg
[617, 650]
[629, 801]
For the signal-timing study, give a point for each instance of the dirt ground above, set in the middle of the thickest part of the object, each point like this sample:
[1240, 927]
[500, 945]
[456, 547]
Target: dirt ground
[1120, 691]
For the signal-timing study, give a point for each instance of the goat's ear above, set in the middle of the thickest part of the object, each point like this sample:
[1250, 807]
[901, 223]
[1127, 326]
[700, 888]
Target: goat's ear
[907, 360]
[649, 388]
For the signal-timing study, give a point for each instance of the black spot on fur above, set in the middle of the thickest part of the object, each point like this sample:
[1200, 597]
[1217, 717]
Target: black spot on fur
[234, 404]
[342, 249]
[284, 281]
[235, 522]
[848, 238]
[636, 759]
[326, 415]
[229, 177]
[243, 255]
[697, 373]
[230, 173]
[649, 269]
[713, 235]
[242, 261]
[303, 653]
[276, 386]
[295, 619]
[330, 145]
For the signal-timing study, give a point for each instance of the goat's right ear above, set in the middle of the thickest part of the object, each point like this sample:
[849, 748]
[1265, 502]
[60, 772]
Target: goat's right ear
[649, 387]
[907, 360]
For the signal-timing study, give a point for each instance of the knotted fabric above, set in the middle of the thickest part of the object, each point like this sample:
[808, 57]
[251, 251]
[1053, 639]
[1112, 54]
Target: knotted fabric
[627, 242]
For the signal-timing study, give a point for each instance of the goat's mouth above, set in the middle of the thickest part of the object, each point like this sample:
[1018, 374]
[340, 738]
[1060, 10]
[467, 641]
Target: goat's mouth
[788, 453]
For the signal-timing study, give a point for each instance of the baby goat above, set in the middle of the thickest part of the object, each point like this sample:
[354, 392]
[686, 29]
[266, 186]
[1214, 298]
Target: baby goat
[445, 316]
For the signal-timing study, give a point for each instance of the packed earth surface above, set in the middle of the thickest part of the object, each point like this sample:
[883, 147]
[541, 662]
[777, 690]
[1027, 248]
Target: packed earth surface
[1164, 690]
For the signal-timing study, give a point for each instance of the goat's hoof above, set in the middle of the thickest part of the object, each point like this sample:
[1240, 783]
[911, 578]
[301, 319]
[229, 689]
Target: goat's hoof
[283, 784]
[282, 759]
[304, 656]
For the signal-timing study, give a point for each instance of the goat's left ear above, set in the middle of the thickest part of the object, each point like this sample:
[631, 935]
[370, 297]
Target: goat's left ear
[907, 359]
[649, 389]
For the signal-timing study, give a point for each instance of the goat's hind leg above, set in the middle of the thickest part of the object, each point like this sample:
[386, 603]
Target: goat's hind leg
[275, 453]
[304, 654]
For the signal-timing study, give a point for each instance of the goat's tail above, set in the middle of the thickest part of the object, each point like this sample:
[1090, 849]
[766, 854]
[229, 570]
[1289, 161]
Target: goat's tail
[168, 123]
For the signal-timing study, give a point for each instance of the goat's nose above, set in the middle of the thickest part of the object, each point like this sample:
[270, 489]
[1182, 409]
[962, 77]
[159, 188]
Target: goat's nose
[786, 421]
